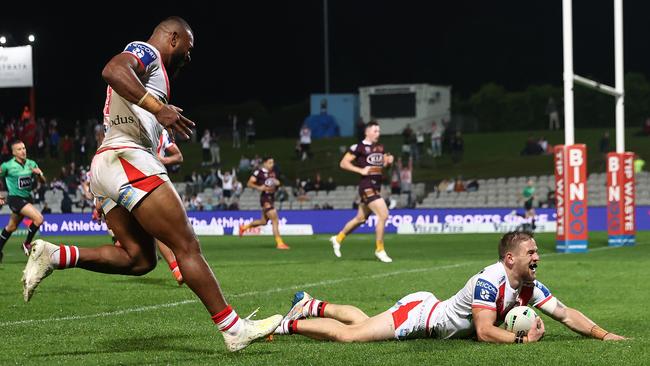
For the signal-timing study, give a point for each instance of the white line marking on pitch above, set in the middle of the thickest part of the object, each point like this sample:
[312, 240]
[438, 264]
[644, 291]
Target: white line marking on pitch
[253, 293]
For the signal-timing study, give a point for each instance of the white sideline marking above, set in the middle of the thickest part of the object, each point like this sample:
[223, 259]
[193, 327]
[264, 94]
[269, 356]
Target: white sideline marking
[253, 293]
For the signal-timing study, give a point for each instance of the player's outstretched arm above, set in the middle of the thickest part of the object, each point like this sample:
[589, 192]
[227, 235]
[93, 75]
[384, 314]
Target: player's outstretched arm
[580, 323]
[486, 331]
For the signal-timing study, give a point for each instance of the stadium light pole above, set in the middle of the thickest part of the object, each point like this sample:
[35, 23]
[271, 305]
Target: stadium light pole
[31, 38]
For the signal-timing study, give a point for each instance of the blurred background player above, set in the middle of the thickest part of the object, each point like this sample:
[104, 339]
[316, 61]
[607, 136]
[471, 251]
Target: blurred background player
[264, 180]
[476, 311]
[367, 159]
[133, 187]
[19, 174]
[528, 198]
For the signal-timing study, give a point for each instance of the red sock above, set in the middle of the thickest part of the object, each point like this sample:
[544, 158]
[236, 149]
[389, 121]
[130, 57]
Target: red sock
[173, 265]
[66, 256]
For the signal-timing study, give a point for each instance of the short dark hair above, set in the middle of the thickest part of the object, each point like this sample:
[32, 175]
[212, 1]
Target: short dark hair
[16, 141]
[265, 158]
[510, 240]
[372, 123]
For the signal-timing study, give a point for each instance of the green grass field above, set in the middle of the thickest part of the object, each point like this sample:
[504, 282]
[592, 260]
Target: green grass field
[79, 317]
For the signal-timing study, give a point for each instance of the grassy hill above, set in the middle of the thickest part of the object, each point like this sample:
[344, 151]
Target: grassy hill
[486, 155]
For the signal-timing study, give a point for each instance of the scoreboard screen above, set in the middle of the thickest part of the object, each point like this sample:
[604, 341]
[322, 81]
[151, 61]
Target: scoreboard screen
[400, 105]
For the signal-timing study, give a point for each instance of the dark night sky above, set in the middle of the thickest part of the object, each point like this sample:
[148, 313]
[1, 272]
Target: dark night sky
[272, 50]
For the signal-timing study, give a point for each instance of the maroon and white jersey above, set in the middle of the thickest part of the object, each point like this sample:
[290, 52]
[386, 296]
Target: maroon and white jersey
[266, 178]
[372, 155]
[126, 124]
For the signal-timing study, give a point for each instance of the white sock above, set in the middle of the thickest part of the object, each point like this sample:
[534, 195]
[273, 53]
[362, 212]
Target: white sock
[227, 320]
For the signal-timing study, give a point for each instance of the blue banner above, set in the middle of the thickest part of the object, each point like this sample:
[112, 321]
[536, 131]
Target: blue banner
[331, 221]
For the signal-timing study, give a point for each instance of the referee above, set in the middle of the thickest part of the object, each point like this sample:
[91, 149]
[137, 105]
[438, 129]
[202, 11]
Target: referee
[19, 174]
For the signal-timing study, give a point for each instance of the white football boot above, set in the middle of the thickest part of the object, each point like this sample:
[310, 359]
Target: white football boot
[336, 246]
[250, 331]
[38, 266]
[382, 256]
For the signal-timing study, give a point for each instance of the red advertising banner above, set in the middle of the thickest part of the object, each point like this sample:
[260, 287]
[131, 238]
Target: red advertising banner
[571, 197]
[621, 220]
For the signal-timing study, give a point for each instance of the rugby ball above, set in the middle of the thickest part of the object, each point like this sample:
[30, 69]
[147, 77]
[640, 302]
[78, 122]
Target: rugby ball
[520, 319]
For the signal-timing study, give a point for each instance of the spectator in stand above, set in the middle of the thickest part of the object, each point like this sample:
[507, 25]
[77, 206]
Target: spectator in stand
[237, 188]
[531, 147]
[395, 185]
[553, 115]
[329, 185]
[98, 131]
[442, 186]
[305, 143]
[82, 152]
[205, 147]
[46, 210]
[639, 163]
[255, 163]
[244, 164]
[318, 183]
[40, 138]
[407, 134]
[67, 147]
[459, 185]
[406, 179]
[419, 143]
[544, 146]
[250, 132]
[472, 186]
[236, 140]
[66, 203]
[6, 149]
[211, 178]
[298, 150]
[28, 134]
[54, 142]
[26, 115]
[215, 156]
[196, 203]
[227, 181]
[436, 141]
[457, 148]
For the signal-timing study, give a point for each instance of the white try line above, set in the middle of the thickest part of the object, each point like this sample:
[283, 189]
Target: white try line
[254, 293]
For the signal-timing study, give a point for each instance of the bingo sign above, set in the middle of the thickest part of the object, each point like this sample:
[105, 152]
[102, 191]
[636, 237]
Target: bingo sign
[571, 197]
[621, 226]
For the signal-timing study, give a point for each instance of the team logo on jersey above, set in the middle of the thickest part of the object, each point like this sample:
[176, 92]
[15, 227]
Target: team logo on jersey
[143, 52]
[375, 159]
[269, 182]
[485, 291]
[367, 149]
[24, 182]
[545, 290]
